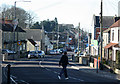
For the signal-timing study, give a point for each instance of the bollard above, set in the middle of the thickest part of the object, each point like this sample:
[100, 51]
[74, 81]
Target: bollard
[8, 74]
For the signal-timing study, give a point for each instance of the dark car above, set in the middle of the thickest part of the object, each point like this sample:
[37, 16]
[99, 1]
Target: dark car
[69, 49]
[8, 51]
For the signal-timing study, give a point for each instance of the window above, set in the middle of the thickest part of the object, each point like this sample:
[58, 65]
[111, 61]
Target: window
[112, 35]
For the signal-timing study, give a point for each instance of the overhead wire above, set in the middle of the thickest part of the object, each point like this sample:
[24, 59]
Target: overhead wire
[114, 5]
[110, 7]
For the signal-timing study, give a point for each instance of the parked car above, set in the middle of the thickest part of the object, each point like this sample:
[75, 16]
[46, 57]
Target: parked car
[51, 52]
[76, 51]
[8, 51]
[69, 49]
[54, 52]
[63, 50]
[82, 54]
[58, 51]
[32, 54]
[41, 54]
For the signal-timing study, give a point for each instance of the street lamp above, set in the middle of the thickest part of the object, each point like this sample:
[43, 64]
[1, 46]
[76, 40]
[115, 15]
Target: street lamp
[15, 20]
[15, 6]
[79, 35]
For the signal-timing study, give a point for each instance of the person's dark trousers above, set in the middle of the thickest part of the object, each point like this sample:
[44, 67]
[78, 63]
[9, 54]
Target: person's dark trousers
[64, 70]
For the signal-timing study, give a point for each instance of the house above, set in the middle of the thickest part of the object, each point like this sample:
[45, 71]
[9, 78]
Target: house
[38, 36]
[31, 45]
[10, 37]
[107, 22]
[106, 41]
[48, 44]
[113, 48]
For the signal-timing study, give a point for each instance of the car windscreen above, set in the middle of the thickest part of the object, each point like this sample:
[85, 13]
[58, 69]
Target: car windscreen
[39, 51]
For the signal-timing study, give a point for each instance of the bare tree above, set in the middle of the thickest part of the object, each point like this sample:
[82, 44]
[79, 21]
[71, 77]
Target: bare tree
[31, 17]
[22, 15]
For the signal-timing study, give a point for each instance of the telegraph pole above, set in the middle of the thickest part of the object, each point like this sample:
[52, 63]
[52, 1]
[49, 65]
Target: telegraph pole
[14, 26]
[58, 38]
[101, 26]
[78, 38]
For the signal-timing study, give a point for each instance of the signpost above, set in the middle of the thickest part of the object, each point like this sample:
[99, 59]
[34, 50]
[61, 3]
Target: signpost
[19, 42]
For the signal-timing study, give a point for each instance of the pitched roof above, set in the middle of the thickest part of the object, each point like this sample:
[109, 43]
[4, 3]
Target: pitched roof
[117, 46]
[9, 27]
[35, 34]
[32, 41]
[5, 21]
[110, 45]
[107, 21]
[107, 30]
[116, 24]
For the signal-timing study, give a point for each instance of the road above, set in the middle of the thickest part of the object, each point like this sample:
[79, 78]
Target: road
[39, 71]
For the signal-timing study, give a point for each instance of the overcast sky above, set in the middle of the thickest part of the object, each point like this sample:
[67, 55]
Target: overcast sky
[67, 11]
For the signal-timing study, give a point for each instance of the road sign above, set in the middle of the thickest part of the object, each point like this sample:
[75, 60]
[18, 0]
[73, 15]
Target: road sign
[19, 43]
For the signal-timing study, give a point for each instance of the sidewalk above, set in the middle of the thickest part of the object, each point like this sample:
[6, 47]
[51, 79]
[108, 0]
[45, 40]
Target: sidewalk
[88, 69]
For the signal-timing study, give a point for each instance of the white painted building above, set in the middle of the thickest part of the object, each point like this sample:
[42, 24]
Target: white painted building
[113, 47]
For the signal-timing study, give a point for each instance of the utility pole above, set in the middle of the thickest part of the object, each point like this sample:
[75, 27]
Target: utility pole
[101, 33]
[58, 38]
[14, 26]
[67, 38]
[78, 38]
[82, 42]
[16, 23]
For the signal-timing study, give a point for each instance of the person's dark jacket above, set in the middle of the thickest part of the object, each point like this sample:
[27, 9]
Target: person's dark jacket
[64, 60]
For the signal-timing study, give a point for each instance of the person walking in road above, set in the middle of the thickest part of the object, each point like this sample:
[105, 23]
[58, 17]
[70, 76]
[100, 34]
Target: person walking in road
[63, 62]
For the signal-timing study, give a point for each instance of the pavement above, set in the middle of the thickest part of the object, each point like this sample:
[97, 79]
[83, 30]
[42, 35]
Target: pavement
[101, 73]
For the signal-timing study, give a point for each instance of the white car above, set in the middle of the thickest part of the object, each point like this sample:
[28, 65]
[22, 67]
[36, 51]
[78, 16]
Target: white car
[54, 52]
[41, 54]
[32, 54]
[82, 54]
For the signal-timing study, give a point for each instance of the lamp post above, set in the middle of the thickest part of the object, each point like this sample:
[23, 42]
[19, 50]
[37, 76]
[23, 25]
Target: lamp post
[15, 21]
[79, 38]
[58, 38]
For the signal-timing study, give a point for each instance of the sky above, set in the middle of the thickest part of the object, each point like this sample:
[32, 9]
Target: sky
[67, 11]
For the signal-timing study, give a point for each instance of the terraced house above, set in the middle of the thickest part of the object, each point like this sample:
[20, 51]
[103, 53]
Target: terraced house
[10, 37]
[112, 49]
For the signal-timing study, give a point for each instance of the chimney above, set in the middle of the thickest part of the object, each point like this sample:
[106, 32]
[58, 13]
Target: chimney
[116, 18]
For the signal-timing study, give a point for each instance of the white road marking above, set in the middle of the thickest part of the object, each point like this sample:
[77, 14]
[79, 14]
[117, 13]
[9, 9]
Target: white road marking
[75, 67]
[13, 80]
[40, 63]
[24, 81]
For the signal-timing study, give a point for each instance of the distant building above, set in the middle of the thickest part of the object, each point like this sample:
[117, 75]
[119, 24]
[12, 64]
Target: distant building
[64, 27]
[38, 36]
[48, 44]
